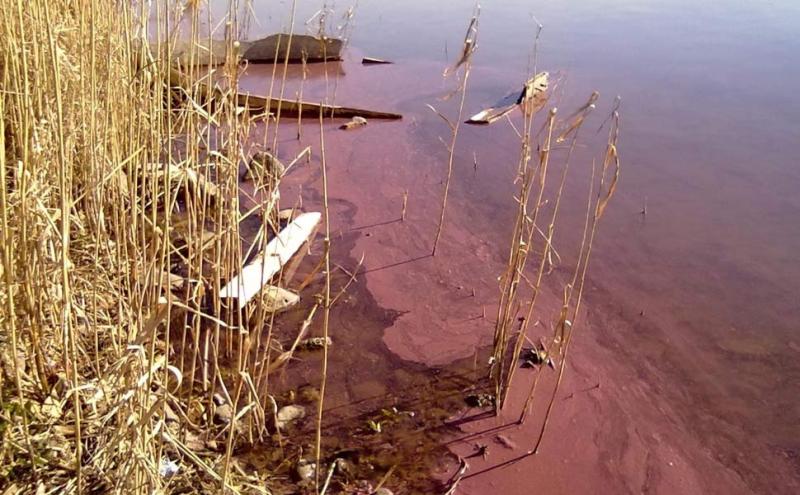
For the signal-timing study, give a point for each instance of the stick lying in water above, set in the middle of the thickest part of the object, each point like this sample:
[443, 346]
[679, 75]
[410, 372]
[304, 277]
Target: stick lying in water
[291, 108]
[310, 110]
[254, 276]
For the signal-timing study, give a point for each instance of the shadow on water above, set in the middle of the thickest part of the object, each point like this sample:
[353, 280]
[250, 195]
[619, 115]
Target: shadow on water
[381, 412]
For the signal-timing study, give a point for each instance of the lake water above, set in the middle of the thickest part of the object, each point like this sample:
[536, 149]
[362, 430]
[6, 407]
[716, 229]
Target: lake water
[693, 308]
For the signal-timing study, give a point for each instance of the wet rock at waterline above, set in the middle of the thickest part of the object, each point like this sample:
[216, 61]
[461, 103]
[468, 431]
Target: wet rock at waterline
[287, 414]
[264, 164]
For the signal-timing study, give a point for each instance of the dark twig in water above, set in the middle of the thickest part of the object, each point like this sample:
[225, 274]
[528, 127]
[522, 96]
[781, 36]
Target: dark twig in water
[457, 477]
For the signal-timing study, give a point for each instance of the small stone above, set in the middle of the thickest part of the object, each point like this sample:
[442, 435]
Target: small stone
[480, 400]
[383, 491]
[305, 470]
[355, 122]
[345, 467]
[223, 414]
[287, 414]
[266, 161]
[309, 394]
[315, 343]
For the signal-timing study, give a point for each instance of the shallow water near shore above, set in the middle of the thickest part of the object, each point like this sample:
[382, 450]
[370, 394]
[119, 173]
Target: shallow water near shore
[692, 309]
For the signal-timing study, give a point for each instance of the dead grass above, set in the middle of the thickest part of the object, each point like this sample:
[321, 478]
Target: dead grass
[520, 285]
[113, 179]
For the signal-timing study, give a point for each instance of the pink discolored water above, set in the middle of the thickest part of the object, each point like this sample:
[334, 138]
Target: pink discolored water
[692, 311]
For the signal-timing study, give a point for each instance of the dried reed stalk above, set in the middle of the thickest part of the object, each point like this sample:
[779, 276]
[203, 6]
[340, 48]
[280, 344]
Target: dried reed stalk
[569, 314]
[326, 304]
[469, 46]
[91, 236]
[548, 239]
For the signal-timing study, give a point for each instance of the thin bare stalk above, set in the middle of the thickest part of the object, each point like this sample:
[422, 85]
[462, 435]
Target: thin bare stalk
[605, 194]
[470, 43]
[326, 303]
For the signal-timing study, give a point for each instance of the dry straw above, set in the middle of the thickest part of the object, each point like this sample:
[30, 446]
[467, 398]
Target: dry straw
[120, 221]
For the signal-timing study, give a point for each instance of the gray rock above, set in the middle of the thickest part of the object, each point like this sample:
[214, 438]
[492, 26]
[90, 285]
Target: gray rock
[223, 414]
[290, 413]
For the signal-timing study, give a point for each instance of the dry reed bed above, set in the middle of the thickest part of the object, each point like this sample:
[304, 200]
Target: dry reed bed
[120, 221]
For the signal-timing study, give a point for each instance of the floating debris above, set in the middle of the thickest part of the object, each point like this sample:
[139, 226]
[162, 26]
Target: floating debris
[374, 61]
[315, 343]
[533, 92]
[277, 253]
[375, 426]
[536, 356]
[470, 43]
[481, 450]
[356, 122]
[394, 413]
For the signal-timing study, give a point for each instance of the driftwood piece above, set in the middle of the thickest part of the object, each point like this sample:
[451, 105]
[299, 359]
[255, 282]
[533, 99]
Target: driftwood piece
[288, 108]
[277, 253]
[291, 108]
[534, 92]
